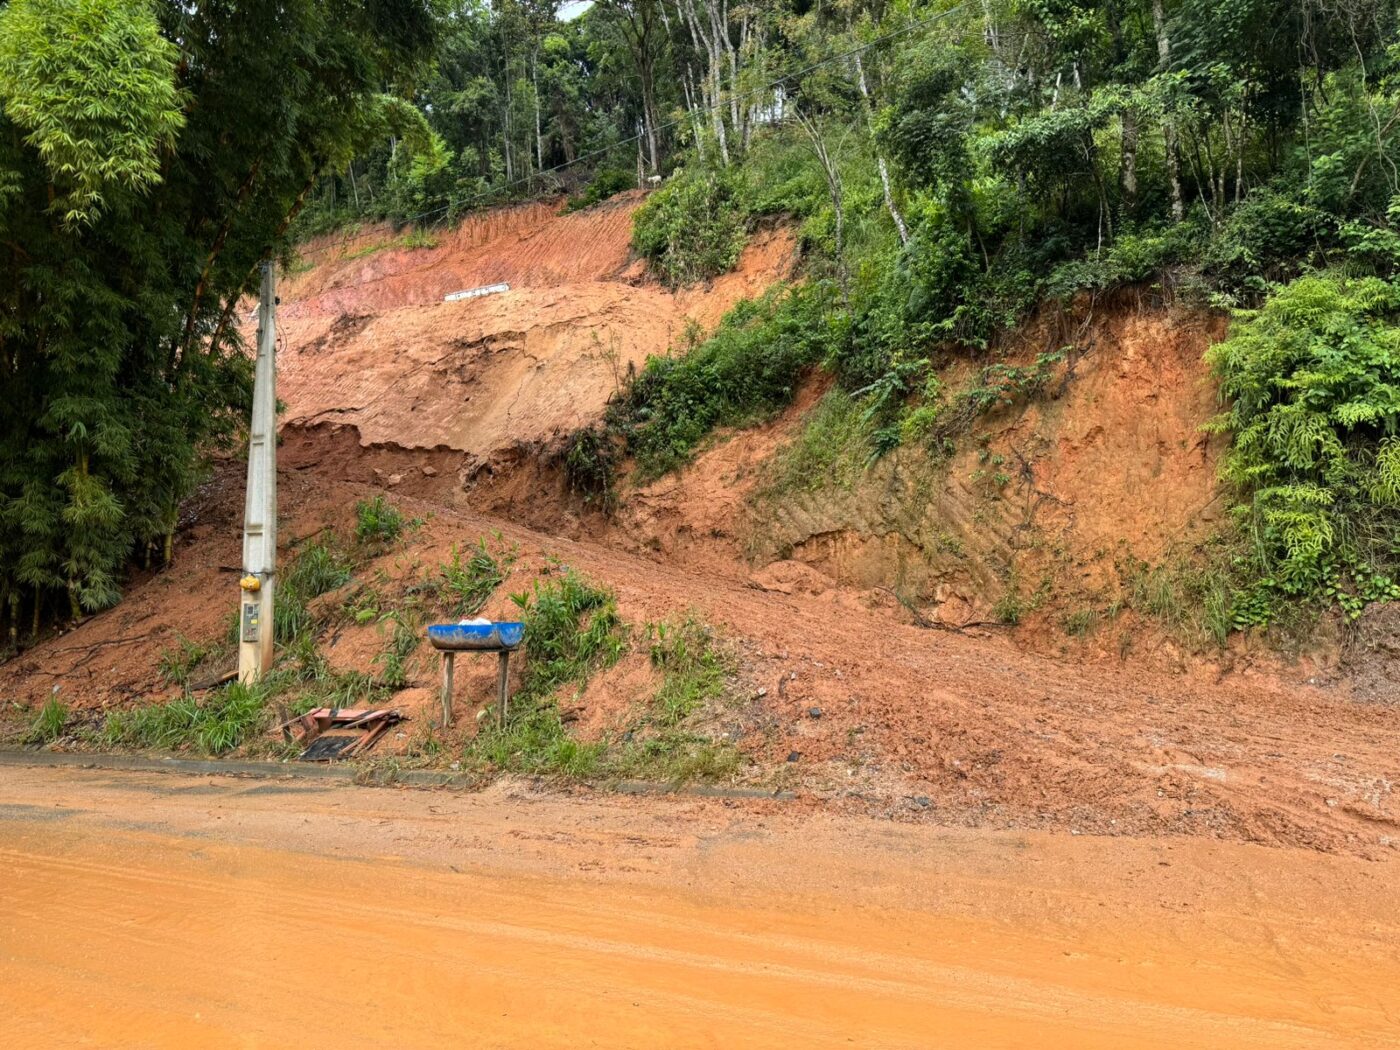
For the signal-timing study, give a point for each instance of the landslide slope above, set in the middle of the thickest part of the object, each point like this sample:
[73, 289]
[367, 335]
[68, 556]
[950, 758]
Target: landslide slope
[368, 343]
[840, 693]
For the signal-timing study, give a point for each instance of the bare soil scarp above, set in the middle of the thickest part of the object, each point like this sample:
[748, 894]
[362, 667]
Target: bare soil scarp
[453, 409]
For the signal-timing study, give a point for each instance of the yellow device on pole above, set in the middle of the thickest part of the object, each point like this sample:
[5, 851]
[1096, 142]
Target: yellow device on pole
[255, 626]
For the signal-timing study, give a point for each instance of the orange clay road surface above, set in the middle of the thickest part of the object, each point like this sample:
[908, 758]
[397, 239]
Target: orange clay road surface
[165, 910]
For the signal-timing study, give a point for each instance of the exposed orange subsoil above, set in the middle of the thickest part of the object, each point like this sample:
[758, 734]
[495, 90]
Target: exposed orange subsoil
[174, 911]
[845, 698]
[916, 724]
[1107, 464]
[368, 342]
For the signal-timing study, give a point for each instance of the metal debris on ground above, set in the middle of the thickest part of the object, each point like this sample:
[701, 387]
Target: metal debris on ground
[335, 732]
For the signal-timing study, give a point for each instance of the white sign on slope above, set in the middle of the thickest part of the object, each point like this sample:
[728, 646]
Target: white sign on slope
[476, 293]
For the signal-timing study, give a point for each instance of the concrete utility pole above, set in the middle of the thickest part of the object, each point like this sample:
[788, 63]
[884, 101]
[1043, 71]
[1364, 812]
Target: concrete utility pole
[255, 627]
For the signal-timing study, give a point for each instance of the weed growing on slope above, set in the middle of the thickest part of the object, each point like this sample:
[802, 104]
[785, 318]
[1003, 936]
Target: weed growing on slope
[378, 522]
[572, 631]
[1080, 623]
[177, 663]
[1191, 596]
[696, 672]
[676, 758]
[1009, 608]
[305, 680]
[831, 450]
[403, 629]
[49, 723]
[224, 720]
[694, 669]
[468, 585]
[315, 569]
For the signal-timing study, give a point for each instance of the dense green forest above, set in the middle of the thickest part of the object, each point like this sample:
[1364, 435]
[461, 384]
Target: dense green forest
[950, 168]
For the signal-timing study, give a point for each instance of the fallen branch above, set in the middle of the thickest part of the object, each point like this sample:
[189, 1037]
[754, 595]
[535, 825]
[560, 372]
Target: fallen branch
[920, 620]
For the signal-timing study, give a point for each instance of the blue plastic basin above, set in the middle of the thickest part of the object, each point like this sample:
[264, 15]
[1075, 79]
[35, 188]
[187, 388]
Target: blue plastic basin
[500, 635]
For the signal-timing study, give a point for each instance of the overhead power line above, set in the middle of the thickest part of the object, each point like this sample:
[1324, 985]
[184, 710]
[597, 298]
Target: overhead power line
[764, 89]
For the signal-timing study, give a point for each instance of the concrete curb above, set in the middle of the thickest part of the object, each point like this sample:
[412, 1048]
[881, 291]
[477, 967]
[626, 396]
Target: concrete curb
[344, 773]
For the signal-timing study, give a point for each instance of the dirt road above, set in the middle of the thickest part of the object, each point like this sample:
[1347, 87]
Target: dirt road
[174, 911]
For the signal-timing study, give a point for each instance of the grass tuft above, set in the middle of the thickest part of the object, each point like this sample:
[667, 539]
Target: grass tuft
[377, 521]
[49, 723]
[694, 669]
[179, 662]
[225, 719]
[468, 585]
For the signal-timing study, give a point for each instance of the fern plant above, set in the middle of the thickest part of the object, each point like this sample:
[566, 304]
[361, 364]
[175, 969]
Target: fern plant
[1313, 381]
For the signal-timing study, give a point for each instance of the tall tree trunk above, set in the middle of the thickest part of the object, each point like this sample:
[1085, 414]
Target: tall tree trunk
[709, 42]
[692, 108]
[814, 135]
[1127, 171]
[879, 155]
[535, 83]
[506, 127]
[1169, 133]
[649, 120]
[717, 115]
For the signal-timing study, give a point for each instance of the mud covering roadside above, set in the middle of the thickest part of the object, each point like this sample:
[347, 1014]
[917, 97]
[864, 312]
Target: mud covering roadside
[169, 910]
[367, 774]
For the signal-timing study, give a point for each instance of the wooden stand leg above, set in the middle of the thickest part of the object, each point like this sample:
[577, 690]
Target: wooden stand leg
[503, 685]
[447, 658]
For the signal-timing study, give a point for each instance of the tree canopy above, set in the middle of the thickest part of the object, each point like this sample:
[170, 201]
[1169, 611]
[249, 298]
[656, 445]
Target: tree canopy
[150, 155]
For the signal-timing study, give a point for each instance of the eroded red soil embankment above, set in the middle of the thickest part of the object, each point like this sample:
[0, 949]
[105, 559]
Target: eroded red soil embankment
[369, 343]
[844, 697]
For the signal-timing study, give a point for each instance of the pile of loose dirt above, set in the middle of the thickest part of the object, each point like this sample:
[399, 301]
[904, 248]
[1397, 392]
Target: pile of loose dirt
[846, 702]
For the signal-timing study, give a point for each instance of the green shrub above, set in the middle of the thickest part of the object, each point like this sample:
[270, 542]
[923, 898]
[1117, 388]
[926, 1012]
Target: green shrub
[572, 630]
[378, 521]
[1138, 254]
[693, 228]
[1313, 381]
[749, 367]
[590, 464]
[606, 183]
[1270, 236]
